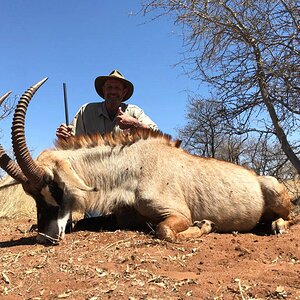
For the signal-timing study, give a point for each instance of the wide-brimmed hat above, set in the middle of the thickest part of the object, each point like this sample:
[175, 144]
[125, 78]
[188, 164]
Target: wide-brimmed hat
[115, 74]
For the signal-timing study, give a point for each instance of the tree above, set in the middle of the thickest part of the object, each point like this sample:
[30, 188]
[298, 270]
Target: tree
[7, 105]
[248, 51]
[208, 134]
[203, 132]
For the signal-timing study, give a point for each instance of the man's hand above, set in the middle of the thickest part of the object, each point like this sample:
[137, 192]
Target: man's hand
[64, 131]
[127, 122]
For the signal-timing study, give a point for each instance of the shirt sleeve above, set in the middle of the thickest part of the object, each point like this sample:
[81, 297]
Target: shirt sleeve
[140, 115]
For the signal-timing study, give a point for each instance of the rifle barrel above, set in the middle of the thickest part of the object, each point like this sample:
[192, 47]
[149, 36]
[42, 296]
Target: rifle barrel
[66, 103]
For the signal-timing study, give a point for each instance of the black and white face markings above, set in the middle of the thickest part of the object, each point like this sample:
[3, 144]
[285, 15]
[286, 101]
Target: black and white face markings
[53, 214]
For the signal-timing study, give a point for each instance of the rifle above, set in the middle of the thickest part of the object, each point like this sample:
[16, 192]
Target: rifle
[69, 227]
[66, 103]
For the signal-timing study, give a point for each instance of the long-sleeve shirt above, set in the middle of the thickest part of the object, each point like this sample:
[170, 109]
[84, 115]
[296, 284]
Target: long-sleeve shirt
[93, 117]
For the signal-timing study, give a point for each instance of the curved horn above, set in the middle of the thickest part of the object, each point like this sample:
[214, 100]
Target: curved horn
[30, 169]
[10, 167]
[2, 98]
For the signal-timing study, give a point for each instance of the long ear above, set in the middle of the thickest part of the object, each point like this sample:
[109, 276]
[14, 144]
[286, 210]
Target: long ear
[65, 175]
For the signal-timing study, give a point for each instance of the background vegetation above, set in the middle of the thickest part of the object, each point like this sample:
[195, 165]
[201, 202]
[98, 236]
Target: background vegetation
[248, 52]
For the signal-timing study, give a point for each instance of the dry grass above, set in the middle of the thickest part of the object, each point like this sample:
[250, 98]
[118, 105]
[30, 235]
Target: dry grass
[14, 203]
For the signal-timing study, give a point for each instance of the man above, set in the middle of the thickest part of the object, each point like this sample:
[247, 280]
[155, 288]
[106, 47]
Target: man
[112, 114]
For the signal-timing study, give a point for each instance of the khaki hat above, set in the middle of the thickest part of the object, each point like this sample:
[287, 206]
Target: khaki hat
[99, 82]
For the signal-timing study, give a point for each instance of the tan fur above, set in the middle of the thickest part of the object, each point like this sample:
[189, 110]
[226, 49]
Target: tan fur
[161, 182]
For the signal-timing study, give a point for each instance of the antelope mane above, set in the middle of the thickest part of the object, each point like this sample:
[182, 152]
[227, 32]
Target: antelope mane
[113, 139]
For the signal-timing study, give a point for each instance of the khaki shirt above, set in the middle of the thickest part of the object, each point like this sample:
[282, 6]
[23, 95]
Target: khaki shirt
[93, 117]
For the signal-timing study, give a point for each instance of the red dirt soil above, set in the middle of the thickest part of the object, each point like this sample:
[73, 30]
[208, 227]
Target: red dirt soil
[134, 265]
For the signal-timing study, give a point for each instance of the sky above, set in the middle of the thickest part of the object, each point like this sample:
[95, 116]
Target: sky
[73, 42]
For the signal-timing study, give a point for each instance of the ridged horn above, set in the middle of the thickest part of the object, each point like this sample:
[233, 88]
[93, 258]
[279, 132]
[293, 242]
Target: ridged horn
[2, 98]
[30, 169]
[11, 167]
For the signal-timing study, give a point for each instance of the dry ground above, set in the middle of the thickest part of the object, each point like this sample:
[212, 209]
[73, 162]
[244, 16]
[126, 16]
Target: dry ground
[133, 265]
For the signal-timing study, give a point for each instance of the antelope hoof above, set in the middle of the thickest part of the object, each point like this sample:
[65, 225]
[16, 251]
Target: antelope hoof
[205, 226]
[165, 233]
[280, 226]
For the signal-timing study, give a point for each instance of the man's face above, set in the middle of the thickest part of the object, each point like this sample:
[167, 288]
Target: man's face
[114, 90]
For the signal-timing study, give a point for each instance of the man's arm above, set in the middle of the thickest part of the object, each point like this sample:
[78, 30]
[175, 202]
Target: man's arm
[128, 122]
[133, 118]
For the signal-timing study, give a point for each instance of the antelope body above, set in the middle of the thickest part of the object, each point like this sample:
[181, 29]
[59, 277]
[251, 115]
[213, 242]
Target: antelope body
[144, 178]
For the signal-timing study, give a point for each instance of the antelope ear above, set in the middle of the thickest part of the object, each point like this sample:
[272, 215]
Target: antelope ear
[66, 176]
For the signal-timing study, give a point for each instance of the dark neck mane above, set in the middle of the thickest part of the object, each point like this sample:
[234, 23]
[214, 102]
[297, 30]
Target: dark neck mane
[110, 139]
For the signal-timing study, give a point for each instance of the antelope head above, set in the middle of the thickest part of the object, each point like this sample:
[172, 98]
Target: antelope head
[32, 177]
